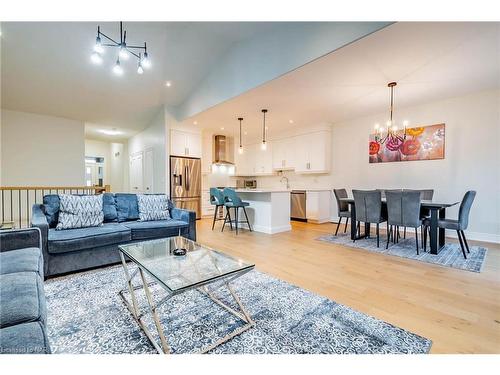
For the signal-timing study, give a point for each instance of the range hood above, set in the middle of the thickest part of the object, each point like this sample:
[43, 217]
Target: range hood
[222, 150]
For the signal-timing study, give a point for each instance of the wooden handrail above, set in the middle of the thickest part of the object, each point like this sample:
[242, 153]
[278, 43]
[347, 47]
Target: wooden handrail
[106, 188]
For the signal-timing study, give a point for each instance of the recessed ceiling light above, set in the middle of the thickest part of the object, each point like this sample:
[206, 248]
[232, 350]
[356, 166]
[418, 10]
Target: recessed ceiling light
[246, 133]
[195, 122]
[222, 128]
[290, 121]
[168, 83]
[110, 132]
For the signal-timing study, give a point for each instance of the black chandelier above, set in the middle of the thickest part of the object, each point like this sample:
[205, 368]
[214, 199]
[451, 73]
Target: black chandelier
[124, 51]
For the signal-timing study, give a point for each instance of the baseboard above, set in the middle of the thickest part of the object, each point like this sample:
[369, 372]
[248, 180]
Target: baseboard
[475, 236]
[272, 230]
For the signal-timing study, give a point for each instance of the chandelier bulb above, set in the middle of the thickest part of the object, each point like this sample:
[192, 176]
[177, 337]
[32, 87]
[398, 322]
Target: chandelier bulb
[146, 63]
[96, 58]
[140, 70]
[98, 45]
[123, 51]
[117, 69]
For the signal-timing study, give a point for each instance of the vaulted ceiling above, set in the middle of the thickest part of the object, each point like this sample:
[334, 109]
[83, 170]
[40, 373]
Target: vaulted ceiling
[430, 61]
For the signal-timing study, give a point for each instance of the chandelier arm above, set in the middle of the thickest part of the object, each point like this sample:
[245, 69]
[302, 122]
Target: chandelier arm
[99, 33]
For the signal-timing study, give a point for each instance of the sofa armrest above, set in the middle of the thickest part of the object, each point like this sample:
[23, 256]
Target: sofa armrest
[20, 238]
[38, 220]
[188, 217]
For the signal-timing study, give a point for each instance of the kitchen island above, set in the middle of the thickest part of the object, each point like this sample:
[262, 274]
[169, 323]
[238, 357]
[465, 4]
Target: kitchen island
[269, 210]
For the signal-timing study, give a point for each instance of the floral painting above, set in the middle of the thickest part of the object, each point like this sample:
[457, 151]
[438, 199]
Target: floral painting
[418, 143]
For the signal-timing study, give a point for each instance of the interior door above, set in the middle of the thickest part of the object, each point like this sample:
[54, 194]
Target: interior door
[148, 171]
[136, 176]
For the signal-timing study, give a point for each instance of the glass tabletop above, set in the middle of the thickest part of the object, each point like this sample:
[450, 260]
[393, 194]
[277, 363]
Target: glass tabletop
[199, 266]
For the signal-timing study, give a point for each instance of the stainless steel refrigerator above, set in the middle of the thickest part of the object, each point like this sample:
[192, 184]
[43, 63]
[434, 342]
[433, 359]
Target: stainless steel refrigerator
[185, 183]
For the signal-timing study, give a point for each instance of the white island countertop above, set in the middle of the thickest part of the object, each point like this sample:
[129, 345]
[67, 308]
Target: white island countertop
[262, 190]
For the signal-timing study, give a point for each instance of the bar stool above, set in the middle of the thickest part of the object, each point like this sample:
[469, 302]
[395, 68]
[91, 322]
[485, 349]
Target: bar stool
[232, 200]
[217, 200]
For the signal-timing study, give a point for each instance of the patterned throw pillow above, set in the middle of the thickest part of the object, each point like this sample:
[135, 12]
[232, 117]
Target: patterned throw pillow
[153, 207]
[80, 211]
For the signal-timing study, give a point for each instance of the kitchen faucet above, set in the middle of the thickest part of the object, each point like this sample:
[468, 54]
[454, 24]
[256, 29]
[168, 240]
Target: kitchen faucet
[283, 177]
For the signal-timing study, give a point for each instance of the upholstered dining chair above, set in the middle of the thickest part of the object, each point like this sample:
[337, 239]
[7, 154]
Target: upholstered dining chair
[403, 210]
[217, 200]
[343, 208]
[425, 195]
[368, 205]
[459, 224]
[232, 200]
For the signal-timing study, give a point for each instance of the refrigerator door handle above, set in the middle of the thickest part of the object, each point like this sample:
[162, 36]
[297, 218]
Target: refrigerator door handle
[186, 172]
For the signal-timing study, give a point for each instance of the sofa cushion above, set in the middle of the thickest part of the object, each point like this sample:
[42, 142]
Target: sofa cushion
[51, 209]
[109, 208]
[22, 260]
[126, 207]
[80, 211]
[142, 230]
[26, 338]
[153, 207]
[63, 241]
[23, 299]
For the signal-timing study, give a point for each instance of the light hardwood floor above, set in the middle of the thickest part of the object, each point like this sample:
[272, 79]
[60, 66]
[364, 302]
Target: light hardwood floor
[458, 310]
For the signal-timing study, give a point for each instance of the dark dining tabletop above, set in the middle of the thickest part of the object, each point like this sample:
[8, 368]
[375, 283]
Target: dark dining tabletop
[437, 210]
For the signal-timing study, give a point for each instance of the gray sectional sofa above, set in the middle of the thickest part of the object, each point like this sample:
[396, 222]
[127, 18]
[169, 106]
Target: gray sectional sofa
[23, 313]
[78, 249]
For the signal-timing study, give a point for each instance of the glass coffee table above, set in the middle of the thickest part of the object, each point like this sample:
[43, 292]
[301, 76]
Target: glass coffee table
[201, 268]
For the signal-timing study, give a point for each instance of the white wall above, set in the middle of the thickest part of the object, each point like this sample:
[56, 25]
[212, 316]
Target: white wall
[472, 157]
[41, 150]
[153, 137]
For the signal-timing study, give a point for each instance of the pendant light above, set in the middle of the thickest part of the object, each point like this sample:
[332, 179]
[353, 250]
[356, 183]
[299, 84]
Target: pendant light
[263, 146]
[240, 149]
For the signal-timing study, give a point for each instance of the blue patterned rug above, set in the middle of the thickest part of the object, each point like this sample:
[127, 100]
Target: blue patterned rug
[87, 316]
[450, 256]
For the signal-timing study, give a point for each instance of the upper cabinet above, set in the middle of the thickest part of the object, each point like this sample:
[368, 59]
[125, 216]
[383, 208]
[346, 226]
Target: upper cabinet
[312, 152]
[185, 144]
[254, 161]
[283, 154]
[304, 153]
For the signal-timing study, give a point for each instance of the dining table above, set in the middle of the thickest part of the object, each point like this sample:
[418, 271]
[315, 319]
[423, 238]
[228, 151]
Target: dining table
[437, 211]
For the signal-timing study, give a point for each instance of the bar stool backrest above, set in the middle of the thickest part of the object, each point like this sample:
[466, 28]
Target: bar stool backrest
[231, 196]
[216, 197]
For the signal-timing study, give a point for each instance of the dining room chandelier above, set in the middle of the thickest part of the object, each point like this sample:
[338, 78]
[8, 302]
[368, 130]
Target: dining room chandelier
[391, 134]
[124, 51]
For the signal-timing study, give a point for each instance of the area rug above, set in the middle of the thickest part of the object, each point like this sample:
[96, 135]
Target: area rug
[449, 256]
[85, 315]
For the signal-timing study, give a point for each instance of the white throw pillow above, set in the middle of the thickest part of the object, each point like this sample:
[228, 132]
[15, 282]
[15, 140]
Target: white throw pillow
[80, 211]
[153, 207]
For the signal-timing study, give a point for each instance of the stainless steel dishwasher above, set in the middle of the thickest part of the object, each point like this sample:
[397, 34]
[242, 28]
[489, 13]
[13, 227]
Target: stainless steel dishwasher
[298, 205]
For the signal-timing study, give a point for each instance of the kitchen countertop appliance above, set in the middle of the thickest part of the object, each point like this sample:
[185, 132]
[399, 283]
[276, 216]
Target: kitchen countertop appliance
[185, 183]
[298, 205]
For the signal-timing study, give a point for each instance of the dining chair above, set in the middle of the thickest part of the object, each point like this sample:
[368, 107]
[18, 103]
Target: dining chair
[343, 208]
[217, 200]
[382, 193]
[425, 195]
[232, 200]
[403, 210]
[368, 206]
[459, 224]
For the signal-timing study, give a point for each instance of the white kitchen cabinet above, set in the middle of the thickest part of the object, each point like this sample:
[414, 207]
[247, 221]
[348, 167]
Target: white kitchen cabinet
[185, 144]
[283, 154]
[263, 161]
[318, 206]
[312, 152]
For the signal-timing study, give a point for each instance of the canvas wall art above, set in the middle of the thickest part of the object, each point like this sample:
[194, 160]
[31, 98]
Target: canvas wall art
[417, 143]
